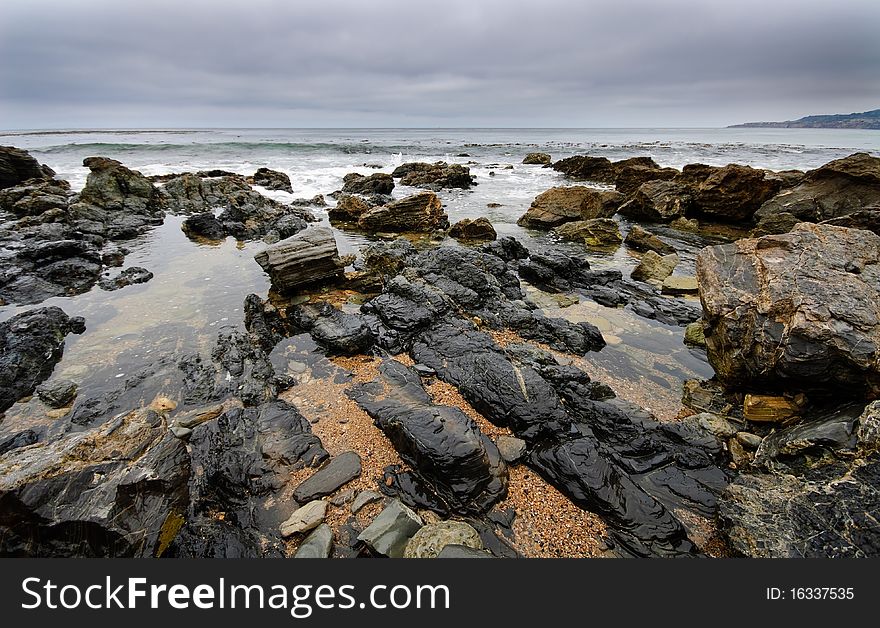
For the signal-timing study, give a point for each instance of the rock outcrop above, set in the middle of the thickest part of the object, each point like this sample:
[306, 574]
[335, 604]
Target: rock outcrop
[733, 193]
[306, 258]
[377, 183]
[567, 204]
[36, 197]
[349, 208]
[436, 176]
[272, 180]
[420, 212]
[658, 201]
[17, 166]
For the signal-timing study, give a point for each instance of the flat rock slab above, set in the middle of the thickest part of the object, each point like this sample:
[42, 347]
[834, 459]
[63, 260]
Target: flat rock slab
[318, 544]
[306, 518]
[364, 498]
[390, 532]
[338, 472]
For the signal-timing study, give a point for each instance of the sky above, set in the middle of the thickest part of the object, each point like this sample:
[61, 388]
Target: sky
[455, 63]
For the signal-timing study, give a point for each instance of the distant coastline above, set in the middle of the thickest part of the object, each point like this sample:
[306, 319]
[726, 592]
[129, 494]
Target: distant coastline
[864, 120]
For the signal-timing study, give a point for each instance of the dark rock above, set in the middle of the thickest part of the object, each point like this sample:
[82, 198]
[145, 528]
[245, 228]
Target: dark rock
[17, 166]
[507, 248]
[733, 193]
[272, 180]
[628, 178]
[127, 277]
[31, 343]
[420, 212]
[445, 447]
[776, 223]
[597, 169]
[566, 204]
[204, 225]
[389, 533]
[658, 201]
[641, 240]
[349, 209]
[434, 176]
[20, 439]
[377, 183]
[537, 159]
[58, 393]
[868, 219]
[794, 311]
[462, 551]
[470, 230]
[339, 471]
[338, 332]
[305, 258]
[35, 197]
[318, 544]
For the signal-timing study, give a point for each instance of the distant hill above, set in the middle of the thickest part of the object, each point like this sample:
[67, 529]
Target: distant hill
[864, 120]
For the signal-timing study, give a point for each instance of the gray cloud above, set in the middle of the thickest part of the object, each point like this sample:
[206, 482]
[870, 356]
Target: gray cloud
[102, 63]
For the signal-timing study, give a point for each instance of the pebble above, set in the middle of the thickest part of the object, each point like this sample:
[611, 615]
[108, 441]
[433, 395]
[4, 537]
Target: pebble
[364, 498]
[305, 518]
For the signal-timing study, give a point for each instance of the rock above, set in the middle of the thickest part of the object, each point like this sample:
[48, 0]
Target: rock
[339, 471]
[582, 167]
[338, 332]
[715, 425]
[794, 445]
[537, 159]
[658, 201]
[420, 212]
[458, 465]
[35, 197]
[434, 176]
[349, 209]
[390, 532]
[430, 540]
[748, 440]
[738, 454]
[470, 230]
[733, 193]
[363, 499]
[462, 551]
[204, 225]
[308, 257]
[794, 312]
[836, 189]
[867, 218]
[769, 409]
[58, 393]
[31, 343]
[343, 498]
[776, 223]
[17, 166]
[690, 225]
[597, 232]
[641, 240]
[678, 285]
[318, 544]
[17, 440]
[566, 204]
[377, 183]
[653, 267]
[272, 180]
[694, 335]
[511, 449]
[305, 518]
[628, 178]
[127, 277]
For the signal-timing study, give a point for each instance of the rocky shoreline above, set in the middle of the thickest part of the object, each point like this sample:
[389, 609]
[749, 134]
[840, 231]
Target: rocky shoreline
[447, 414]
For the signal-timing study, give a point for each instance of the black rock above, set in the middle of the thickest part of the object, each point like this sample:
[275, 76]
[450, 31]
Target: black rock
[337, 331]
[127, 277]
[378, 183]
[16, 166]
[204, 225]
[272, 180]
[57, 394]
[339, 471]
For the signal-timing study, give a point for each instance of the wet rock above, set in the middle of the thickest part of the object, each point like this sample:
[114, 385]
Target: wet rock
[306, 258]
[36, 197]
[363, 499]
[430, 540]
[537, 159]
[118, 491]
[507, 248]
[17, 166]
[305, 518]
[390, 532]
[339, 471]
[19, 439]
[57, 393]
[453, 459]
[420, 212]
[835, 433]
[694, 336]
[316, 201]
[511, 449]
[769, 409]
[349, 208]
[836, 189]
[318, 544]
[272, 180]
[679, 285]
[204, 225]
[653, 267]
[434, 176]
[127, 277]
[733, 193]
[462, 551]
[658, 201]
[470, 230]
[597, 232]
[641, 240]
[340, 333]
[567, 204]
[31, 344]
[790, 312]
[377, 183]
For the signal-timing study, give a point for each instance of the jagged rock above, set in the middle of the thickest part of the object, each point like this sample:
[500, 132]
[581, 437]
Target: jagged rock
[430, 540]
[305, 518]
[444, 446]
[868, 219]
[305, 258]
[836, 189]
[377, 183]
[272, 180]
[339, 471]
[653, 267]
[733, 193]
[58, 393]
[204, 225]
[658, 201]
[470, 230]
[537, 159]
[566, 204]
[797, 311]
[690, 225]
[127, 277]
[434, 176]
[349, 209]
[318, 544]
[17, 166]
[389, 533]
[641, 240]
[420, 212]
[776, 223]
[628, 178]
[17, 440]
[31, 344]
[316, 201]
[35, 197]
[597, 232]
[337, 331]
[597, 169]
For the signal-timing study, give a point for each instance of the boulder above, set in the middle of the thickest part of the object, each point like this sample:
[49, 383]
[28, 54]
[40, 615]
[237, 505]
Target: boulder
[349, 209]
[797, 311]
[434, 176]
[653, 267]
[628, 178]
[512, 449]
[597, 232]
[308, 257]
[390, 532]
[537, 159]
[31, 344]
[376, 183]
[566, 204]
[204, 225]
[836, 189]
[337, 331]
[17, 166]
[733, 193]
[57, 394]
[658, 201]
[272, 180]
[473, 230]
[35, 197]
[586, 168]
[640, 239]
[430, 540]
[420, 212]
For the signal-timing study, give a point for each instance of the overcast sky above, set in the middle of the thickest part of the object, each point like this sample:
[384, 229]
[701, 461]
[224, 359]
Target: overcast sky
[390, 63]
